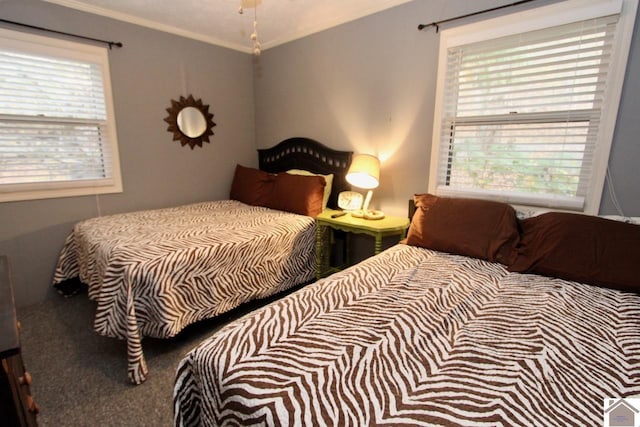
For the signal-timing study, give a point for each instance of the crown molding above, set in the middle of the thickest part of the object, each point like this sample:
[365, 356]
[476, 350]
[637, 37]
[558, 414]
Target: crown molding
[131, 19]
[373, 7]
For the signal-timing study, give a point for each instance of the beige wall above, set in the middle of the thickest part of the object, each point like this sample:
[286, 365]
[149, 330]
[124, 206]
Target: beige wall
[151, 69]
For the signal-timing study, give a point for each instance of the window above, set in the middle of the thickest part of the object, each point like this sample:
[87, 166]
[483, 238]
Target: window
[57, 127]
[527, 103]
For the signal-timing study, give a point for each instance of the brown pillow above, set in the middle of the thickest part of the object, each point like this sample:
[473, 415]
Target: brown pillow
[298, 194]
[476, 228]
[581, 248]
[252, 186]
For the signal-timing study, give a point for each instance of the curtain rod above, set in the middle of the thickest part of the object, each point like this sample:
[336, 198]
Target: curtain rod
[437, 23]
[110, 43]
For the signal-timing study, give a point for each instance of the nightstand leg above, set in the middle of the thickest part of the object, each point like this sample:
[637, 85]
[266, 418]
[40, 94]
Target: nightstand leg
[319, 252]
[378, 247]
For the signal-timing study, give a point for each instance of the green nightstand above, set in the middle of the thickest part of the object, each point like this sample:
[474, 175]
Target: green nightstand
[388, 226]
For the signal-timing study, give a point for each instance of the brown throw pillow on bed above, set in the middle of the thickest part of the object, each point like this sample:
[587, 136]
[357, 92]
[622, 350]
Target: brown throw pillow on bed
[476, 228]
[581, 248]
[252, 186]
[298, 194]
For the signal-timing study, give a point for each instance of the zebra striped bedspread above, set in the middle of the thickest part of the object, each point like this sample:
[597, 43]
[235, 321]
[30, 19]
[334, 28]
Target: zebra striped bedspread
[154, 272]
[416, 337]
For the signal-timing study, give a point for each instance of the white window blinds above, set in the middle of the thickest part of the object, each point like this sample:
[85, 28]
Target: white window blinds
[55, 129]
[521, 114]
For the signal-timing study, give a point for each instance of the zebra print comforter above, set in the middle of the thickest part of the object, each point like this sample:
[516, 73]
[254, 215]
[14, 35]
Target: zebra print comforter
[416, 337]
[154, 272]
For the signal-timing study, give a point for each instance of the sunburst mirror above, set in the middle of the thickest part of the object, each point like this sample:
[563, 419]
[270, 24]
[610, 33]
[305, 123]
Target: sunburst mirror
[190, 121]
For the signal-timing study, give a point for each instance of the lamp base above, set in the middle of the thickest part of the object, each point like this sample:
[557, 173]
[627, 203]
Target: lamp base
[365, 213]
[373, 215]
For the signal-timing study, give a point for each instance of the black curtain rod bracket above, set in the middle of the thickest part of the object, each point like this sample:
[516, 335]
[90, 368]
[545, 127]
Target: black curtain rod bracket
[437, 23]
[433, 24]
[111, 44]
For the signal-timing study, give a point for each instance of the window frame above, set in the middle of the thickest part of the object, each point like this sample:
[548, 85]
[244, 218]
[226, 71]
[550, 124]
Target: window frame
[531, 20]
[64, 49]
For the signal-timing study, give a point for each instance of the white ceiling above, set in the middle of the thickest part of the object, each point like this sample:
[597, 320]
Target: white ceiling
[218, 21]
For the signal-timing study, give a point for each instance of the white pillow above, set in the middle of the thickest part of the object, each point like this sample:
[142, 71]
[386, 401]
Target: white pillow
[328, 179]
[628, 219]
[524, 213]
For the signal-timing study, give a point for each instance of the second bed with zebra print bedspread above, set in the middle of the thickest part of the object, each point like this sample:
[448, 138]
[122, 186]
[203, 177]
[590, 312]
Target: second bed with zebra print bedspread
[154, 272]
[417, 337]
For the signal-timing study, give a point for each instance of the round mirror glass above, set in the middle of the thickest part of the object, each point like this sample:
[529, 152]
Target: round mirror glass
[191, 122]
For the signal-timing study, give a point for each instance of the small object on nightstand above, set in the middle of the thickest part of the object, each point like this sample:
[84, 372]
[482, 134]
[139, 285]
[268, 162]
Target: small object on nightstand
[338, 215]
[350, 200]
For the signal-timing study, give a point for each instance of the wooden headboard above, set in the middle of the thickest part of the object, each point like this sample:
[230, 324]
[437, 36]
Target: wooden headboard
[310, 155]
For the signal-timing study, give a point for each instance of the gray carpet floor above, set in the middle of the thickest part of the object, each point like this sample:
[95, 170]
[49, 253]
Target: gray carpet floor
[80, 378]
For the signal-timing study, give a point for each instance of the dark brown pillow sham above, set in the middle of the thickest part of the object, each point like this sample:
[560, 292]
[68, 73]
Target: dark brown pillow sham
[581, 248]
[476, 228]
[252, 186]
[298, 194]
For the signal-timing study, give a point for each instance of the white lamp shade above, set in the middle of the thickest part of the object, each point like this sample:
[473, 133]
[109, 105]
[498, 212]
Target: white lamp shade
[364, 171]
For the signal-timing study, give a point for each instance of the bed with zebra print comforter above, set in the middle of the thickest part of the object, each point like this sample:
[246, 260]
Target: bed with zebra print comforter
[418, 337]
[154, 272]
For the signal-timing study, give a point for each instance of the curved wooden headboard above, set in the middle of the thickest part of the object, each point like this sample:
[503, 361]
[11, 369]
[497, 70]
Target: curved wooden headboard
[307, 154]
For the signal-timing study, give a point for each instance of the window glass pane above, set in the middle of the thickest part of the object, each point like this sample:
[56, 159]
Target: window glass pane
[541, 158]
[42, 86]
[44, 152]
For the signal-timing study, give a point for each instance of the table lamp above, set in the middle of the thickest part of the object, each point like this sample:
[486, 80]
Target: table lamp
[364, 172]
